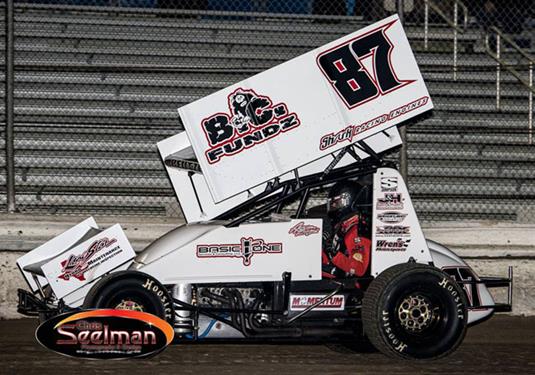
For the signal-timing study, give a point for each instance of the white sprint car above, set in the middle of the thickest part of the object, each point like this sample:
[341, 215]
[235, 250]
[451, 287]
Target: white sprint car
[250, 172]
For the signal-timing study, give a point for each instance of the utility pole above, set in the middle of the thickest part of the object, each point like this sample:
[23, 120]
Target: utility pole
[403, 159]
[9, 106]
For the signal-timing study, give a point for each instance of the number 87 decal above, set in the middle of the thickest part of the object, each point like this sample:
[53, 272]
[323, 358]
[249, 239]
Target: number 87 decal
[342, 65]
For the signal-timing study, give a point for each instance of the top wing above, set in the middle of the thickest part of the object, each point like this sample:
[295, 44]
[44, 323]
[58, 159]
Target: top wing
[305, 109]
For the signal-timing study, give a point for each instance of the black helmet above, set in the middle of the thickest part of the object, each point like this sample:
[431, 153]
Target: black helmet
[344, 198]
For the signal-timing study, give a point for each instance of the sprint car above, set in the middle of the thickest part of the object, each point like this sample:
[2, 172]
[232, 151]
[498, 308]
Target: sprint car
[250, 172]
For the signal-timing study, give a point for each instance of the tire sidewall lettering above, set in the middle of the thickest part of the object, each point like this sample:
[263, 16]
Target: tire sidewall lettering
[447, 285]
[394, 342]
[161, 293]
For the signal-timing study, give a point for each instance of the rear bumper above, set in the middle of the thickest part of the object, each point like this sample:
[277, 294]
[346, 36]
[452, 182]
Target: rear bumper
[31, 305]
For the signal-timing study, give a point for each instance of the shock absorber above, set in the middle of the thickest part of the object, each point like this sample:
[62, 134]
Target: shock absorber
[183, 321]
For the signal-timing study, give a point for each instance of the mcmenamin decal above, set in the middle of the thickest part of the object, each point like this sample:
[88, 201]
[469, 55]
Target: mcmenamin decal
[253, 119]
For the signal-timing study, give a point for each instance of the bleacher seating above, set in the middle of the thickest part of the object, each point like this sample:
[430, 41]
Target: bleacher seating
[96, 89]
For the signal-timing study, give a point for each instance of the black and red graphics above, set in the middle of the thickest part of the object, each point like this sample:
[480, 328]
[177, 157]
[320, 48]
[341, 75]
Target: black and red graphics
[355, 84]
[244, 250]
[252, 120]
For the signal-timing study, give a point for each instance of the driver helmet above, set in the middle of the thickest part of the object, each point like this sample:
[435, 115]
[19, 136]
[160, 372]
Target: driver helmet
[343, 199]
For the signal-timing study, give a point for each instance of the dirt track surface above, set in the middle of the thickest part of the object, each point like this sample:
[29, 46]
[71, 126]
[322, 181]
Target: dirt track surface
[503, 345]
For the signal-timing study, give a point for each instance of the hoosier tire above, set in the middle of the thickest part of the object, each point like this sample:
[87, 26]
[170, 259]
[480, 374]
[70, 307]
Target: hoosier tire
[131, 290]
[414, 311]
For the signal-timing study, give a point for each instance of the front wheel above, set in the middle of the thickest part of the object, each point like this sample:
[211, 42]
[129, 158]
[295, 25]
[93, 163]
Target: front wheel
[414, 311]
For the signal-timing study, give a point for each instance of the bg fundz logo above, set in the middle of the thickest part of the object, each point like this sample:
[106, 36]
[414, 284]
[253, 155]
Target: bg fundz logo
[343, 67]
[253, 119]
[245, 249]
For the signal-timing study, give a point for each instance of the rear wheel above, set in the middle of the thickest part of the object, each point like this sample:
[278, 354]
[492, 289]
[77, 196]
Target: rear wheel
[414, 311]
[131, 291]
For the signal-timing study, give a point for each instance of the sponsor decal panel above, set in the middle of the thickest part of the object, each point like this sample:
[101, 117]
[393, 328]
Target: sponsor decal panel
[244, 250]
[301, 302]
[391, 217]
[302, 229]
[77, 265]
[105, 334]
[390, 201]
[253, 119]
[393, 231]
[399, 244]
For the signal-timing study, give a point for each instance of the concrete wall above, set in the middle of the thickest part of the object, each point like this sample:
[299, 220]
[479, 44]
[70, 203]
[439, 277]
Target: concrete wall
[488, 248]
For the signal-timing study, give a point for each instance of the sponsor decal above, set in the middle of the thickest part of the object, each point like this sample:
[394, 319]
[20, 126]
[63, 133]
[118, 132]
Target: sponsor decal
[105, 334]
[189, 165]
[396, 245]
[301, 302]
[391, 217]
[253, 119]
[389, 184]
[244, 250]
[351, 131]
[393, 231]
[302, 229]
[77, 265]
[391, 201]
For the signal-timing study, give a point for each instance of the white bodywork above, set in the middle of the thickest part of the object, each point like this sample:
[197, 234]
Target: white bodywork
[216, 253]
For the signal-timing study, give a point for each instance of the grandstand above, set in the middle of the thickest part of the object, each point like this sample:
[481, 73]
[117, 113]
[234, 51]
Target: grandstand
[96, 88]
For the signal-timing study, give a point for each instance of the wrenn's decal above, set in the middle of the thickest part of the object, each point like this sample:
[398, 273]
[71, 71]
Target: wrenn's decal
[397, 245]
[245, 249]
[253, 119]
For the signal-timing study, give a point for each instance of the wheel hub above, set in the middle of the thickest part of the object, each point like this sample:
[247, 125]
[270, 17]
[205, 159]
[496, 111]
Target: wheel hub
[127, 304]
[415, 313]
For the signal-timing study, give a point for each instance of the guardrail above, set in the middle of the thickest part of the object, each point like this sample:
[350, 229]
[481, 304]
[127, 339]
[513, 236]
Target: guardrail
[454, 23]
[512, 69]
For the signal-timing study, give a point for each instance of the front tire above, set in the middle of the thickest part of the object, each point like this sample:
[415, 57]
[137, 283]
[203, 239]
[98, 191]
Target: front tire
[414, 311]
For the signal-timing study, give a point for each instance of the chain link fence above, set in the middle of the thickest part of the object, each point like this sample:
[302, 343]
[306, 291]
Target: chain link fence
[97, 84]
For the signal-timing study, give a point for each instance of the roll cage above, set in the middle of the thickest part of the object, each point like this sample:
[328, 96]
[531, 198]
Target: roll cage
[278, 193]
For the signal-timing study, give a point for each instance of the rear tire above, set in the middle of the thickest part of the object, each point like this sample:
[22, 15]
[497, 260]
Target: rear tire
[414, 311]
[131, 290]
